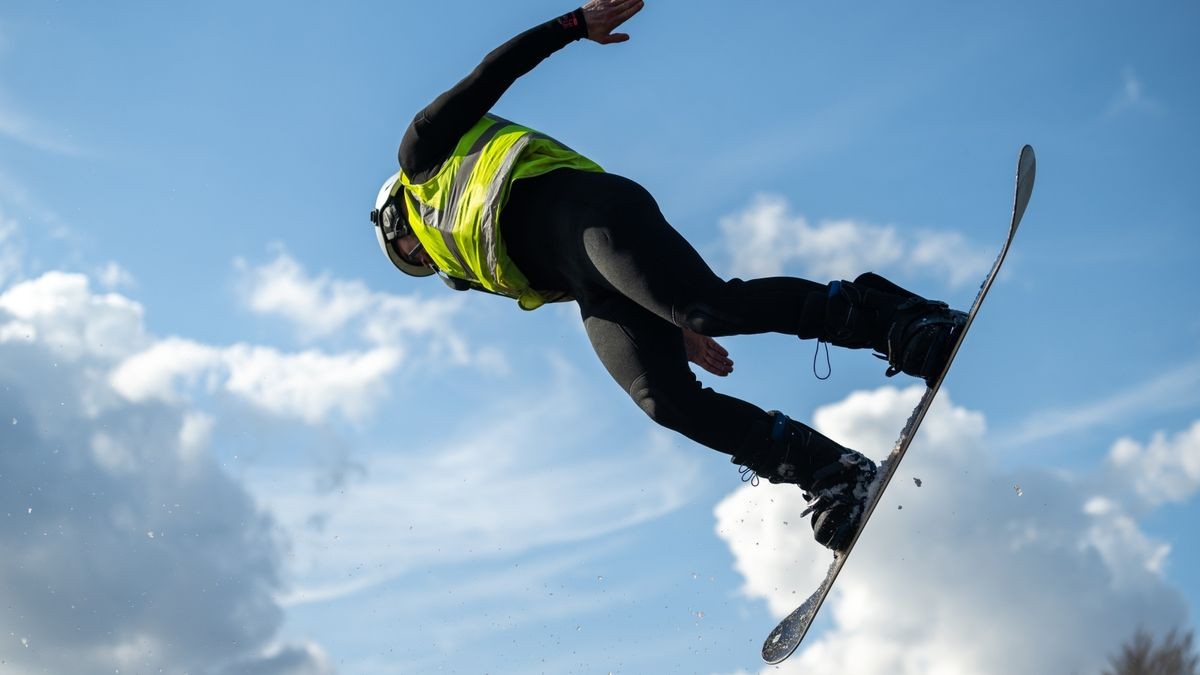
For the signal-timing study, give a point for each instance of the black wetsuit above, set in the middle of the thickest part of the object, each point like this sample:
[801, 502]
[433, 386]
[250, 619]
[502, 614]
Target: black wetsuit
[602, 238]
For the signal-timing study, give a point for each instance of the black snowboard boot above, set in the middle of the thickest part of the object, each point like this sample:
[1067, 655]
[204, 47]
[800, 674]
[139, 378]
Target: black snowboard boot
[835, 479]
[913, 334]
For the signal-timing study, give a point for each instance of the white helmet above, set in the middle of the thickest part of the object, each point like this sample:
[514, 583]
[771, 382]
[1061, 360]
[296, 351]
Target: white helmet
[391, 222]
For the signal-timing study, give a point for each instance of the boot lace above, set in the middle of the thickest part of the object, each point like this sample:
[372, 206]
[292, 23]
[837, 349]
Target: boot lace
[749, 475]
[828, 365]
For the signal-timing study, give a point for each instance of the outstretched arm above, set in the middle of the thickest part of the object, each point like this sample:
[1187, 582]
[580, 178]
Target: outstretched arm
[438, 127]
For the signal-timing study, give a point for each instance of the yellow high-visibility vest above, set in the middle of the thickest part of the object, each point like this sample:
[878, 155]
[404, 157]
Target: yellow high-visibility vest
[456, 213]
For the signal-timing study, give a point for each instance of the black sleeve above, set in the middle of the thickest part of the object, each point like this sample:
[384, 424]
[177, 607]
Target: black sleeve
[437, 129]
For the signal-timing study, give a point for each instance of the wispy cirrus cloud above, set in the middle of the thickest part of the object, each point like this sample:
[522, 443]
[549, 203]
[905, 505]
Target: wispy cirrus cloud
[1175, 389]
[19, 126]
[113, 276]
[1131, 95]
[521, 480]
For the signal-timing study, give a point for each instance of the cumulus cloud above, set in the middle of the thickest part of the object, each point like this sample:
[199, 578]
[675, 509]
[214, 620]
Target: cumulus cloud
[127, 548]
[766, 237]
[137, 552]
[322, 306]
[950, 575]
[1165, 469]
[309, 385]
[164, 367]
[313, 384]
[59, 309]
[319, 306]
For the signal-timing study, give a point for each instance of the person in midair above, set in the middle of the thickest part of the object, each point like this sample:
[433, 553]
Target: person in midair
[493, 206]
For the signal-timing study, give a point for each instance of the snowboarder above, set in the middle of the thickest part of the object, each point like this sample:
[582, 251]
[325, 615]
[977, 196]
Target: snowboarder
[494, 206]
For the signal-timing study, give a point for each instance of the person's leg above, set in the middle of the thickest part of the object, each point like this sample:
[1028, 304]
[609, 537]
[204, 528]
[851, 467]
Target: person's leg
[576, 227]
[645, 356]
[569, 226]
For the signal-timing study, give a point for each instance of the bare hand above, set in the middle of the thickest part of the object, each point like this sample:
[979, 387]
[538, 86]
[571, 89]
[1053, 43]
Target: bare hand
[706, 353]
[602, 16]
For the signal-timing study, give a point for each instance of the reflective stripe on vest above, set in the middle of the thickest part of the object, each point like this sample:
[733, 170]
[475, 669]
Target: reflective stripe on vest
[456, 213]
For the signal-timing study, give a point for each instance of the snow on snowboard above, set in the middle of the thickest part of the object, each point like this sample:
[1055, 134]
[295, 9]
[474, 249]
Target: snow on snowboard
[788, 634]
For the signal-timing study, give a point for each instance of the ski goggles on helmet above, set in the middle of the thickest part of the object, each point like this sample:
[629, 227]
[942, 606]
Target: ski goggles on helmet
[390, 217]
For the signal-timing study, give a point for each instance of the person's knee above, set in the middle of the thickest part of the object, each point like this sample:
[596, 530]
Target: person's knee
[705, 319]
[666, 407]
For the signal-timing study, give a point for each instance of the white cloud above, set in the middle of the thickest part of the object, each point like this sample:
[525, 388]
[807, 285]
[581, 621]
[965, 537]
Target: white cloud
[126, 547]
[156, 372]
[950, 256]
[766, 237]
[60, 309]
[1127, 552]
[311, 385]
[1166, 469]
[295, 659]
[11, 252]
[1175, 389]
[113, 276]
[502, 482]
[195, 433]
[949, 575]
[20, 127]
[1131, 95]
[114, 468]
[319, 306]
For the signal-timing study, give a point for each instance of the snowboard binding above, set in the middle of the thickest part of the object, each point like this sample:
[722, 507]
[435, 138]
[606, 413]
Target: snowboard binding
[921, 337]
[835, 479]
[914, 335]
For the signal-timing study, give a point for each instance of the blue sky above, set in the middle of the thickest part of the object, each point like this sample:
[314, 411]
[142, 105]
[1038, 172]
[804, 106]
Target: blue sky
[236, 440]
